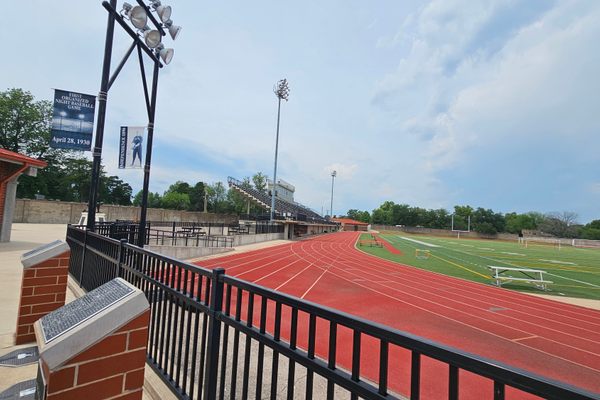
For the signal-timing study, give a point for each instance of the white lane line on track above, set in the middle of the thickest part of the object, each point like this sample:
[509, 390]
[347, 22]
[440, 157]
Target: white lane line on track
[259, 267]
[289, 280]
[313, 285]
[476, 328]
[525, 338]
[428, 293]
[276, 271]
[378, 275]
[460, 311]
[465, 324]
[530, 303]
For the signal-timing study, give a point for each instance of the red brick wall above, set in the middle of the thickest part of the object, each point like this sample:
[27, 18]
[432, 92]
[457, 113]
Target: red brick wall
[43, 290]
[113, 368]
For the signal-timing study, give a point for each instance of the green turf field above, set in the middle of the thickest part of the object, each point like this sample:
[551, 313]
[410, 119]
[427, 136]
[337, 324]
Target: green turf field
[575, 272]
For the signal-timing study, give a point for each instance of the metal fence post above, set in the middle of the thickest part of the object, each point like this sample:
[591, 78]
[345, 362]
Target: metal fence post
[120, 257]
[147, 233]
[214, 334]
[85, 235]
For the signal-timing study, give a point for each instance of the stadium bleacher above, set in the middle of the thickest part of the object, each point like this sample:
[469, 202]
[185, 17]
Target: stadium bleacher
[283, 209]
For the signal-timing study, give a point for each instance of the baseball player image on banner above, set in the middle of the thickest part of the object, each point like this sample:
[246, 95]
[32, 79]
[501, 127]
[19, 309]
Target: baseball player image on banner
[131, 146]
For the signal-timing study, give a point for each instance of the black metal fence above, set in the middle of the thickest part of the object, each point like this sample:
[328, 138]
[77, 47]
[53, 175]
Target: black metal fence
[176, 233]
[213, 336]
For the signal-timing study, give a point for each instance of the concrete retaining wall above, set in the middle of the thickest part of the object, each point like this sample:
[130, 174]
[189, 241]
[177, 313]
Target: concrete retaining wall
[240, 240]
[187, 252]
[62, 212]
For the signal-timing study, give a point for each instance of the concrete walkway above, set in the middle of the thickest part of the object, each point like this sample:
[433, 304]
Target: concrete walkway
[25, 237]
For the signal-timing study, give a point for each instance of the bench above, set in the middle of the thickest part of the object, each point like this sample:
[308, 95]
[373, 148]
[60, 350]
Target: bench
[370, 243]
[192, 229]
[535, 276]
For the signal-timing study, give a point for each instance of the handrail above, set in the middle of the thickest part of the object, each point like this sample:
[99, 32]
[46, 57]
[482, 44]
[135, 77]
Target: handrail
[193, 308]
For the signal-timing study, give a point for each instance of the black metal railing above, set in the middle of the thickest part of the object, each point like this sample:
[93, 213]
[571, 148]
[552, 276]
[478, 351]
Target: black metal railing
[214, 336]
[182, 235]
[176, 233]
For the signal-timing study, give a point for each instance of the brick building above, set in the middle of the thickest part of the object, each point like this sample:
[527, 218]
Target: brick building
[12, 165]
[351, 225]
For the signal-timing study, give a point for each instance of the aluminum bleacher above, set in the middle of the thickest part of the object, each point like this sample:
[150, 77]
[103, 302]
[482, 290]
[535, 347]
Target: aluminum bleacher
[283, 209]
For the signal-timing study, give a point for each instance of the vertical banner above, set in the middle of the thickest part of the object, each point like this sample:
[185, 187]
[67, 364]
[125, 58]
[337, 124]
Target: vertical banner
[131, 146]
[72, 120]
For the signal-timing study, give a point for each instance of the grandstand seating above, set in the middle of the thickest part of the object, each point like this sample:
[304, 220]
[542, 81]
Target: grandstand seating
[283, 209]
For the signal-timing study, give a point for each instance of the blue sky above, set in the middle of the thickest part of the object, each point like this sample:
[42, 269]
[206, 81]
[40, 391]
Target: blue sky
[431, 103]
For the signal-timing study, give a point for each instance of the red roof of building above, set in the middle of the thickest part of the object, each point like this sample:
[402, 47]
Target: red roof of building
[348, 221]
[11, 156]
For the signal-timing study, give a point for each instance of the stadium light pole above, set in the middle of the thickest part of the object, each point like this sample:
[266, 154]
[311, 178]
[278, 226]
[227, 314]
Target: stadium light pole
[333, 175]
[146, 40]
[282, 91]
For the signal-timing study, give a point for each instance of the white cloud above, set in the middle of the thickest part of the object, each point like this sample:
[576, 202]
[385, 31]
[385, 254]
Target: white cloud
[464, 93]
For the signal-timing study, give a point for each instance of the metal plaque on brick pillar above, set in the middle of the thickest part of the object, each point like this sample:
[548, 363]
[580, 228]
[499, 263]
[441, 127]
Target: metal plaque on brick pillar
[43, 253]
[65, 335]
[72, 314]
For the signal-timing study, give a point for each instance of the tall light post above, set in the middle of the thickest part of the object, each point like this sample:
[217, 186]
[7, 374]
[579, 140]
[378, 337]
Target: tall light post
[146, 40]
[282, 91]
[333, 175]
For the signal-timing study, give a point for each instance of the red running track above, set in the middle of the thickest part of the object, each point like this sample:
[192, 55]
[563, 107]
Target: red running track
[549, 338]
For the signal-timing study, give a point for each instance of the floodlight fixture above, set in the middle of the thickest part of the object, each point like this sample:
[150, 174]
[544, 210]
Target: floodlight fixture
[333, 175]
[173, 29]
[152, 37]
[137, 15]
[163, 12]
[282, 90]
[165, 54]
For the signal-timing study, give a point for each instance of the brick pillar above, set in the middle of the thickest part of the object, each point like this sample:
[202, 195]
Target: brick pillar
[112, 368]
[43, 288]
[102, 357]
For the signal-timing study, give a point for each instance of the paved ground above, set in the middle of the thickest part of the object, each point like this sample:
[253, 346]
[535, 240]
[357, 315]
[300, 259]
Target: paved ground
[25, 237]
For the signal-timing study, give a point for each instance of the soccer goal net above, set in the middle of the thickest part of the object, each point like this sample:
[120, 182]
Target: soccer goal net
[422, 254]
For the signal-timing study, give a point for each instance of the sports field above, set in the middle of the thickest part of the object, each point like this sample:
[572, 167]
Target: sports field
[556, 340]
[574, 272]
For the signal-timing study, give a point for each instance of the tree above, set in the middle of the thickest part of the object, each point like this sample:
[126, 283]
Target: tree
[357, 215]
[117, 191]
[217, 200]
[461, 217]
[25, 128]
[487, 221]
[591, 230]
[154, 200]
[25, 124]
[516, 223]
[196, 194]
[176, 201]
[260, 181]
[560, 224]
[180, 187]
